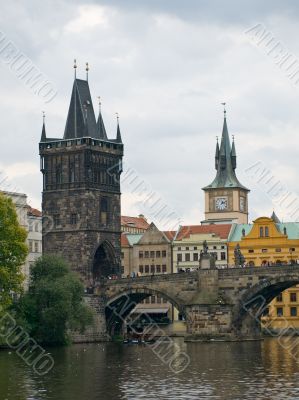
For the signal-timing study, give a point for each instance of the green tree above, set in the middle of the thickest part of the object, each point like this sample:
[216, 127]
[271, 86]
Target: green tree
[54, 302]
[13, 252]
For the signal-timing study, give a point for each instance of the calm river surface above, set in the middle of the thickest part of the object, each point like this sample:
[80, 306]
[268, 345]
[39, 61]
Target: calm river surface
[248, 370]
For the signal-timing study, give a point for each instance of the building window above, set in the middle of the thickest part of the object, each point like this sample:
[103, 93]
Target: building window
[279, 311]
[56, 219]
[195, 256]
[158, 254]
[159, 300]
[279, 297]
[122, 255]
[266, 231]
[146, 254]
[187, 248]
[140, 254]
[164, 300]
[30, 246]
[261, 231]
[152, 269]
[278, 250]
[163, 268]
[187, 257]
[222, 247]
[214, 247]
[292, 249]
[293, 311]
[250, 251]
[73, 219]
[122, 269]
[146, 269]
[30, 226]
[141, 269]
[158, 269]
[179, 249]
[179, 257]
[153, 299]
[36, 227]
[164, 253]
[223, 256]
[104, 211]
[195, 248]
[36, 247]
[152, 254]
[293, 297]
[264, 250]
[147, 300]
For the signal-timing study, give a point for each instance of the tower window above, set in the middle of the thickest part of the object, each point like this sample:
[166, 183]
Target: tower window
[73, 219]
[104, 211]
[266, 231]
[261, 231]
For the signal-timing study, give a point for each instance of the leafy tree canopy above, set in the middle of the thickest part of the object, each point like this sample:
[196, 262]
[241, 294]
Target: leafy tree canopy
[54, 303]
[13, 252]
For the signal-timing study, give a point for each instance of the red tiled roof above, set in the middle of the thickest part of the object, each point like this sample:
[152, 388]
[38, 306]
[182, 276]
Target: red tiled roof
[34, 212]
[134, 222]
[169, 234]
[221, 230]
[124, 240]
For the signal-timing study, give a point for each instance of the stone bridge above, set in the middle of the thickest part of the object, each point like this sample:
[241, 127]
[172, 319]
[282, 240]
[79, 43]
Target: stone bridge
[224, 304]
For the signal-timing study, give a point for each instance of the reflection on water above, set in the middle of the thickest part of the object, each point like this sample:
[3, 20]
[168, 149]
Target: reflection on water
[248, 370]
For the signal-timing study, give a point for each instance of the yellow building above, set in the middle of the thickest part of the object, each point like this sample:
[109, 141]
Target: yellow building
[270, 242]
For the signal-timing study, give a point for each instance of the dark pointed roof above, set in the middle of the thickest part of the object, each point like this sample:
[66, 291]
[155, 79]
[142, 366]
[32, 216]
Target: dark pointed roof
[226, 176]
[275, 218]
[118, 135]
[43, 135]
[81, 118]
[101, 128]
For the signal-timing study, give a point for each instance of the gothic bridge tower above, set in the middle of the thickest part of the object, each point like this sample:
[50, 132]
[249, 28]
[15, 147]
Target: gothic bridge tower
[81, 190]
[226, 199]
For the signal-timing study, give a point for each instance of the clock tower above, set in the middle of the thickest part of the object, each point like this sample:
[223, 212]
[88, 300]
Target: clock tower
[226, 199]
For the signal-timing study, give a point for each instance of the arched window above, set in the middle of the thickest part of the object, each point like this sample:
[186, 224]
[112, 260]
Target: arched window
[261, 231]
[267, 231]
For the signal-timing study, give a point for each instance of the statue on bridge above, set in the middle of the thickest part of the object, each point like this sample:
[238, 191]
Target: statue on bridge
[239, 258]
[207, 259]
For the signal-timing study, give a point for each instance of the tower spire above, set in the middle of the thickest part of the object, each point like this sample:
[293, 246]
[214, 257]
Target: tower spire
[217, 154]
[100, 123]
[43, 135]
[118, 135]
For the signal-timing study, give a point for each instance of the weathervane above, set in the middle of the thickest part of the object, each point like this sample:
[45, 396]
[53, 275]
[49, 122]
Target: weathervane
[87, 69]
[75, 67]
[224, 109]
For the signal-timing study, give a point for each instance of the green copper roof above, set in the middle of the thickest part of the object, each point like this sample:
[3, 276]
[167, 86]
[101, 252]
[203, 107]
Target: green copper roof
[134, 238]
[225, 162]
[292, 230]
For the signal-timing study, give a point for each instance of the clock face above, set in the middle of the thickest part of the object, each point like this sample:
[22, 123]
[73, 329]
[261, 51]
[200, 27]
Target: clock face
[221, 203]
[242, 204]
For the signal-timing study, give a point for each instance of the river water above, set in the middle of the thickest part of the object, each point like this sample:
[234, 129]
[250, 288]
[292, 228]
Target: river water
[246, 370]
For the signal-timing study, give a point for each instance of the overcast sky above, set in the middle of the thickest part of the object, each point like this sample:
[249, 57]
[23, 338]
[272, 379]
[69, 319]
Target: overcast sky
[165, 66]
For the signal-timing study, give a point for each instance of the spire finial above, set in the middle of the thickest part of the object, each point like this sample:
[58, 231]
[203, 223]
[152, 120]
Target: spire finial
[75, 68]
[44, 116]
[117, 117]
[87, 69]
[100, 104]
[217, 139]
[224, 109]
[233, 136]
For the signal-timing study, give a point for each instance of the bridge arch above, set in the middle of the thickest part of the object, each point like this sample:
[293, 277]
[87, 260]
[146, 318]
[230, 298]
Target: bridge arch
[120, 305]
[251, 304]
